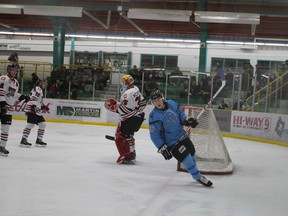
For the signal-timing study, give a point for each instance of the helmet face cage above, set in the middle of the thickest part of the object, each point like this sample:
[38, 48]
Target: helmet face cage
[127, 80]
[10, 66]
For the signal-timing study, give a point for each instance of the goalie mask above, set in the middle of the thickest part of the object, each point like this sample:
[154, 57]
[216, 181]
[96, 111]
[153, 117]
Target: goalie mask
[127, 80]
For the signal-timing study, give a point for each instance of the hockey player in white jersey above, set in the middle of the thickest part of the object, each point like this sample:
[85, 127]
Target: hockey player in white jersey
[8, 95]
[130, 110]
[33, 110]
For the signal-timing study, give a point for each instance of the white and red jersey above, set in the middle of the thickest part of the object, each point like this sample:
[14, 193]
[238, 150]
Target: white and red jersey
[132, 103]
[36, 99]
[9, 91]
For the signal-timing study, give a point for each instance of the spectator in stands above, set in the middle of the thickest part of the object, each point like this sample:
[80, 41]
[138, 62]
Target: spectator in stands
[205, 88]
[219, 70]
[184, 89]
[21, 72]
[229, 76]
[133, 72]
[235, 106]
[176, 72]
[73, 92]
[101, 81]
[259, 71]
[223, 105]
[34, 79]
[149, 87]
[60, 89]
[137, 75]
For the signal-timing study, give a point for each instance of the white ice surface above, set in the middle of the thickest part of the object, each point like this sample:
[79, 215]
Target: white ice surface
[76, 175]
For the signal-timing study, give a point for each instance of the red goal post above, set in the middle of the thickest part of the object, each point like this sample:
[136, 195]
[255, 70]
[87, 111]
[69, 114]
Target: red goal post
[211, 153]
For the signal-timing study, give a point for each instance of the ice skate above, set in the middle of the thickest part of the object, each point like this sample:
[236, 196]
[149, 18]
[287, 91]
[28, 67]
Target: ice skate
[129, 162]
[205, 181]
[124, 160]
[25, 143]
[40, 143]
[3, 151]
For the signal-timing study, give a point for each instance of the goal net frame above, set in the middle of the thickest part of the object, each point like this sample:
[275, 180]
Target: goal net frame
[211, 155]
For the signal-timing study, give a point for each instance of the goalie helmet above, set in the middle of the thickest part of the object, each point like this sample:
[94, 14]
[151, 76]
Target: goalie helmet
[156, 94]
[127, 80]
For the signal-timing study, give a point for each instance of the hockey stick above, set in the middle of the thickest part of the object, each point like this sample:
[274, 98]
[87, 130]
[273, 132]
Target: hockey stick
[22, 105]
[211, 99]
[110, 137]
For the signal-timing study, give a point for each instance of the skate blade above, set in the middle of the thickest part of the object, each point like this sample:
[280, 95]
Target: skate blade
[40, 146]
[25, 146]
[128, 162]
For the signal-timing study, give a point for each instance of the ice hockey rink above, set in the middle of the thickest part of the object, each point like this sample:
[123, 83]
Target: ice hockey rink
[76, 175]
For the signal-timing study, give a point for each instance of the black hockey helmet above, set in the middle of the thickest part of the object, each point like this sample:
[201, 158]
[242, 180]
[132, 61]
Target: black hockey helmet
[38, 82]
[10, 66]
[41, 83]
[156, 94]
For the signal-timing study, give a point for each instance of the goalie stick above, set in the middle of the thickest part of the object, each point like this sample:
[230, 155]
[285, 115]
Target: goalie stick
[110, 137]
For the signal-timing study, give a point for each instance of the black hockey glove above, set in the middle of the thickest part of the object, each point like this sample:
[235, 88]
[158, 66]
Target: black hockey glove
[26, 98]
[165, 152]
[34, 109]
[3, 108]
[191, 122]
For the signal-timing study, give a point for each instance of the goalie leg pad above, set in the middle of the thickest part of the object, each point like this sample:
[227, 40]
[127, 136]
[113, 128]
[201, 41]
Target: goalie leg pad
[125, 146]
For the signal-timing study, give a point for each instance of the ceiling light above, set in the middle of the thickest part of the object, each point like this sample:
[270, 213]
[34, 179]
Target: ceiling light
[159, 14]
[10, 9]
[45, 10]
[226, 17]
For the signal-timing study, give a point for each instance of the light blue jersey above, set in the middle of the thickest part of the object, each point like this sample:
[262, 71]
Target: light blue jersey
[166, 126]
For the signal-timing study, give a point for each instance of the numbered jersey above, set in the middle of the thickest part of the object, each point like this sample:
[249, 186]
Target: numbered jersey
[131, 103]
[36, 99]
[9, 91]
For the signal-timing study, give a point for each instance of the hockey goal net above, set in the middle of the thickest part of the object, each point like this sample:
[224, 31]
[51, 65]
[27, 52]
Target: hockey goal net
[211, 153]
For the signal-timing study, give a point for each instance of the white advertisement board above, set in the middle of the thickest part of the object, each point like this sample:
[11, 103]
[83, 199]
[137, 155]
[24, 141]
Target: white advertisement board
[263, 125]
[89, 111]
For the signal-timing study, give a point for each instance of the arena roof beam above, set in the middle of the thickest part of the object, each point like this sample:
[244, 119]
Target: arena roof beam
[94, 18]
[133, 24]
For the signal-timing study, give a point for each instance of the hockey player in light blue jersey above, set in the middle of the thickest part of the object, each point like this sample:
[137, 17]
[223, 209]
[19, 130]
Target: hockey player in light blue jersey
[166, 122]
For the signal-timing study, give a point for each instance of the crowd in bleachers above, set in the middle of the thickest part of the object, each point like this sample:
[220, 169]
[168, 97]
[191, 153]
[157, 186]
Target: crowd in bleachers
[81, 80]
[68, 83]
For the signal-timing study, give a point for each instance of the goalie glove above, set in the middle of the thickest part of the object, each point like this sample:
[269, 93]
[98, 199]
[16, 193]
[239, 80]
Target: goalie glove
[191, 122]
[165, 152]
[111, 104]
